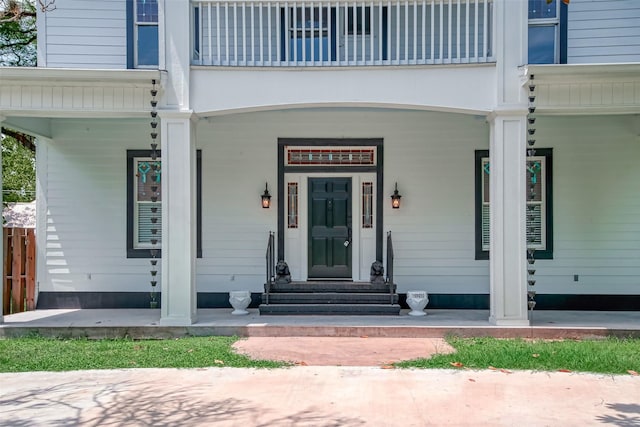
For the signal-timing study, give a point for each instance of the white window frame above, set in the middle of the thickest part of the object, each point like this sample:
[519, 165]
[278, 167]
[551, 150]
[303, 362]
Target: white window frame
[136, 26]
[551, 22]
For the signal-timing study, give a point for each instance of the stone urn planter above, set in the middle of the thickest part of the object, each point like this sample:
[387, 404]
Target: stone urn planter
[239, 300]
[417, 301]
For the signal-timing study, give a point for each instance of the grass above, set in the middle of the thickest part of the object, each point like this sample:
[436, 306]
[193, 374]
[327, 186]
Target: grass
[45, 354]
[611, 356]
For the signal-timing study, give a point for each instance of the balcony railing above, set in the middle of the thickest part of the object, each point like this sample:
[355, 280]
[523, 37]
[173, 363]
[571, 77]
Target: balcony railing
[268, 33]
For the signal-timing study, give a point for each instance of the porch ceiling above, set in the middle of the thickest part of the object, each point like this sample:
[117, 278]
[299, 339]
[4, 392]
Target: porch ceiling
[586, 89]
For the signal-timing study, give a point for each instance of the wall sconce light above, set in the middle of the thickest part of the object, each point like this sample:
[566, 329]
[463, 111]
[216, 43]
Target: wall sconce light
[395, 198]
[266, 197]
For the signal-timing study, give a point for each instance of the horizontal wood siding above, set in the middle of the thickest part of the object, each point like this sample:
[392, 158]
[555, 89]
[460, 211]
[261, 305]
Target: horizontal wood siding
[431, 157]
[83, 34]
[85, 244]
[596, 204]
[604, 31]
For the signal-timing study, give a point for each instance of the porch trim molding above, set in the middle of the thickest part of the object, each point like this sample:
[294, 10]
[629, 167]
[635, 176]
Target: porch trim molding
[53, 92]
[104, 300]
[586, 89]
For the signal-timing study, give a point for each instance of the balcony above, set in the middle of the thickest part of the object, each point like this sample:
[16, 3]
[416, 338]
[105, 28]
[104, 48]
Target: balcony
[268, 33]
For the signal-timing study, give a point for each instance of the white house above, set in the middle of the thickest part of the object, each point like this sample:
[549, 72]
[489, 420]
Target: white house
[334, 105]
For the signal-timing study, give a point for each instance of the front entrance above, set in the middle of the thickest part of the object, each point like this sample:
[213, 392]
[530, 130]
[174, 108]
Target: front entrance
[330, 207]
[330, 228]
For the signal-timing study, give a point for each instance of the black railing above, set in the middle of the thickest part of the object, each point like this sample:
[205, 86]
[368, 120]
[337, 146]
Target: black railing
[390, 265]
[271, 266]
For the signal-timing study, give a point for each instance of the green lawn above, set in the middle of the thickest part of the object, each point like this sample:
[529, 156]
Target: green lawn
[43, 354]
[613, 355]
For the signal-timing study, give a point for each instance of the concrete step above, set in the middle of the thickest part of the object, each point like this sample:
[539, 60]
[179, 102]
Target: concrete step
[330, 298]
[331, 309]
[330, 286]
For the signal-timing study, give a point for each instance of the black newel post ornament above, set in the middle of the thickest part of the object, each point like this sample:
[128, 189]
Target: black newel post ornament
[156, 213]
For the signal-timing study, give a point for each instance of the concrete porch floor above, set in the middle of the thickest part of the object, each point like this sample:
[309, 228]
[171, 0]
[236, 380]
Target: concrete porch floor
[144, 323]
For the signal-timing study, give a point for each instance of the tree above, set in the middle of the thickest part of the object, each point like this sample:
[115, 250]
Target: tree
[18, 171]
[18, 39]
[18, 34]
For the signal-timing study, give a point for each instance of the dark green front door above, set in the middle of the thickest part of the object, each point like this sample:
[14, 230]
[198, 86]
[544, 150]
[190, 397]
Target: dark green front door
[330, 228]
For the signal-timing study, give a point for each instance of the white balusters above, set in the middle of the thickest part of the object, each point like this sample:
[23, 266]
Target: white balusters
[314, 33]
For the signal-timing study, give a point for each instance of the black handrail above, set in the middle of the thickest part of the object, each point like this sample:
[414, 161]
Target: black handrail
[271, 266]
[390, 256]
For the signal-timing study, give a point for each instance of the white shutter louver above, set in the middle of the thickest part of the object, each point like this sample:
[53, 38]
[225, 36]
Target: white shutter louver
[485, 227]
[145, 225]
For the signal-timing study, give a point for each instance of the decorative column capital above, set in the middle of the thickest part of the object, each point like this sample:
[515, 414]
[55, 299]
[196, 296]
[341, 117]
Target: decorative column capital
[177, 115]
[508, 111]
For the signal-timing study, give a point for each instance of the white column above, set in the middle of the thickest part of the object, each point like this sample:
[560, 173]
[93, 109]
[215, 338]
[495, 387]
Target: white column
[1, 246]
[507, 266]
[42, 209]
[178, 219]
[175, 52]
[507, 270]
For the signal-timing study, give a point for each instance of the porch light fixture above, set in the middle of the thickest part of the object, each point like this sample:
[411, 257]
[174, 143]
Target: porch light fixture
[395, 198]
[266, 197]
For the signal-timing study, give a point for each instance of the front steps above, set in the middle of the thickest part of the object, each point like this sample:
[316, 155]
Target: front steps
[330, 298]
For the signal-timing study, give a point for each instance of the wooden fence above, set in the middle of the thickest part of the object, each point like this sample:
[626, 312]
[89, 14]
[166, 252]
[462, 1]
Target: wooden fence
[19, 285]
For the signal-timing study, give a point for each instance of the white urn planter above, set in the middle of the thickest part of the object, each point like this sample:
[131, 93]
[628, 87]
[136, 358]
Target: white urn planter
[417, 301]
[239, 300]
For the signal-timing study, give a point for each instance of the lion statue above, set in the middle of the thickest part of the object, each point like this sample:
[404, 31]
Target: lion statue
[283, 275]
[377, 272]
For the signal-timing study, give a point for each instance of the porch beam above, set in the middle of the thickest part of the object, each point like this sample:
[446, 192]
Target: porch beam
[178, 219]
[48, 93]
[586, 89]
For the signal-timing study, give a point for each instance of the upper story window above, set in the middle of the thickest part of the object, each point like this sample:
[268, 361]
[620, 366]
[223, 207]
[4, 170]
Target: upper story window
[545, 32]
[146, 33]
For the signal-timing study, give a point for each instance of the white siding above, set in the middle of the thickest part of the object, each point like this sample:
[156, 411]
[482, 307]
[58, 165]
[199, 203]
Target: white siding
[86, 34]
[596, 199]
[603, 31]
[433, 232]
[86, 200]
[431, 155]
[596, 205]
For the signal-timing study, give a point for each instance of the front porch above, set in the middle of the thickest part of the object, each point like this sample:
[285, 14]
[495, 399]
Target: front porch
[145, 323]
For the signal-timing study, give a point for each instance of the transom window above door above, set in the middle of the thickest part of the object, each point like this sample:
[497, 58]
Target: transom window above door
[330, 156]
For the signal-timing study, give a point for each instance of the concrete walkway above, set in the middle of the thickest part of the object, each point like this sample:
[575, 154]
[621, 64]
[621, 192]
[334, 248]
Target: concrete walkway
[346, 351]
[317, 396]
